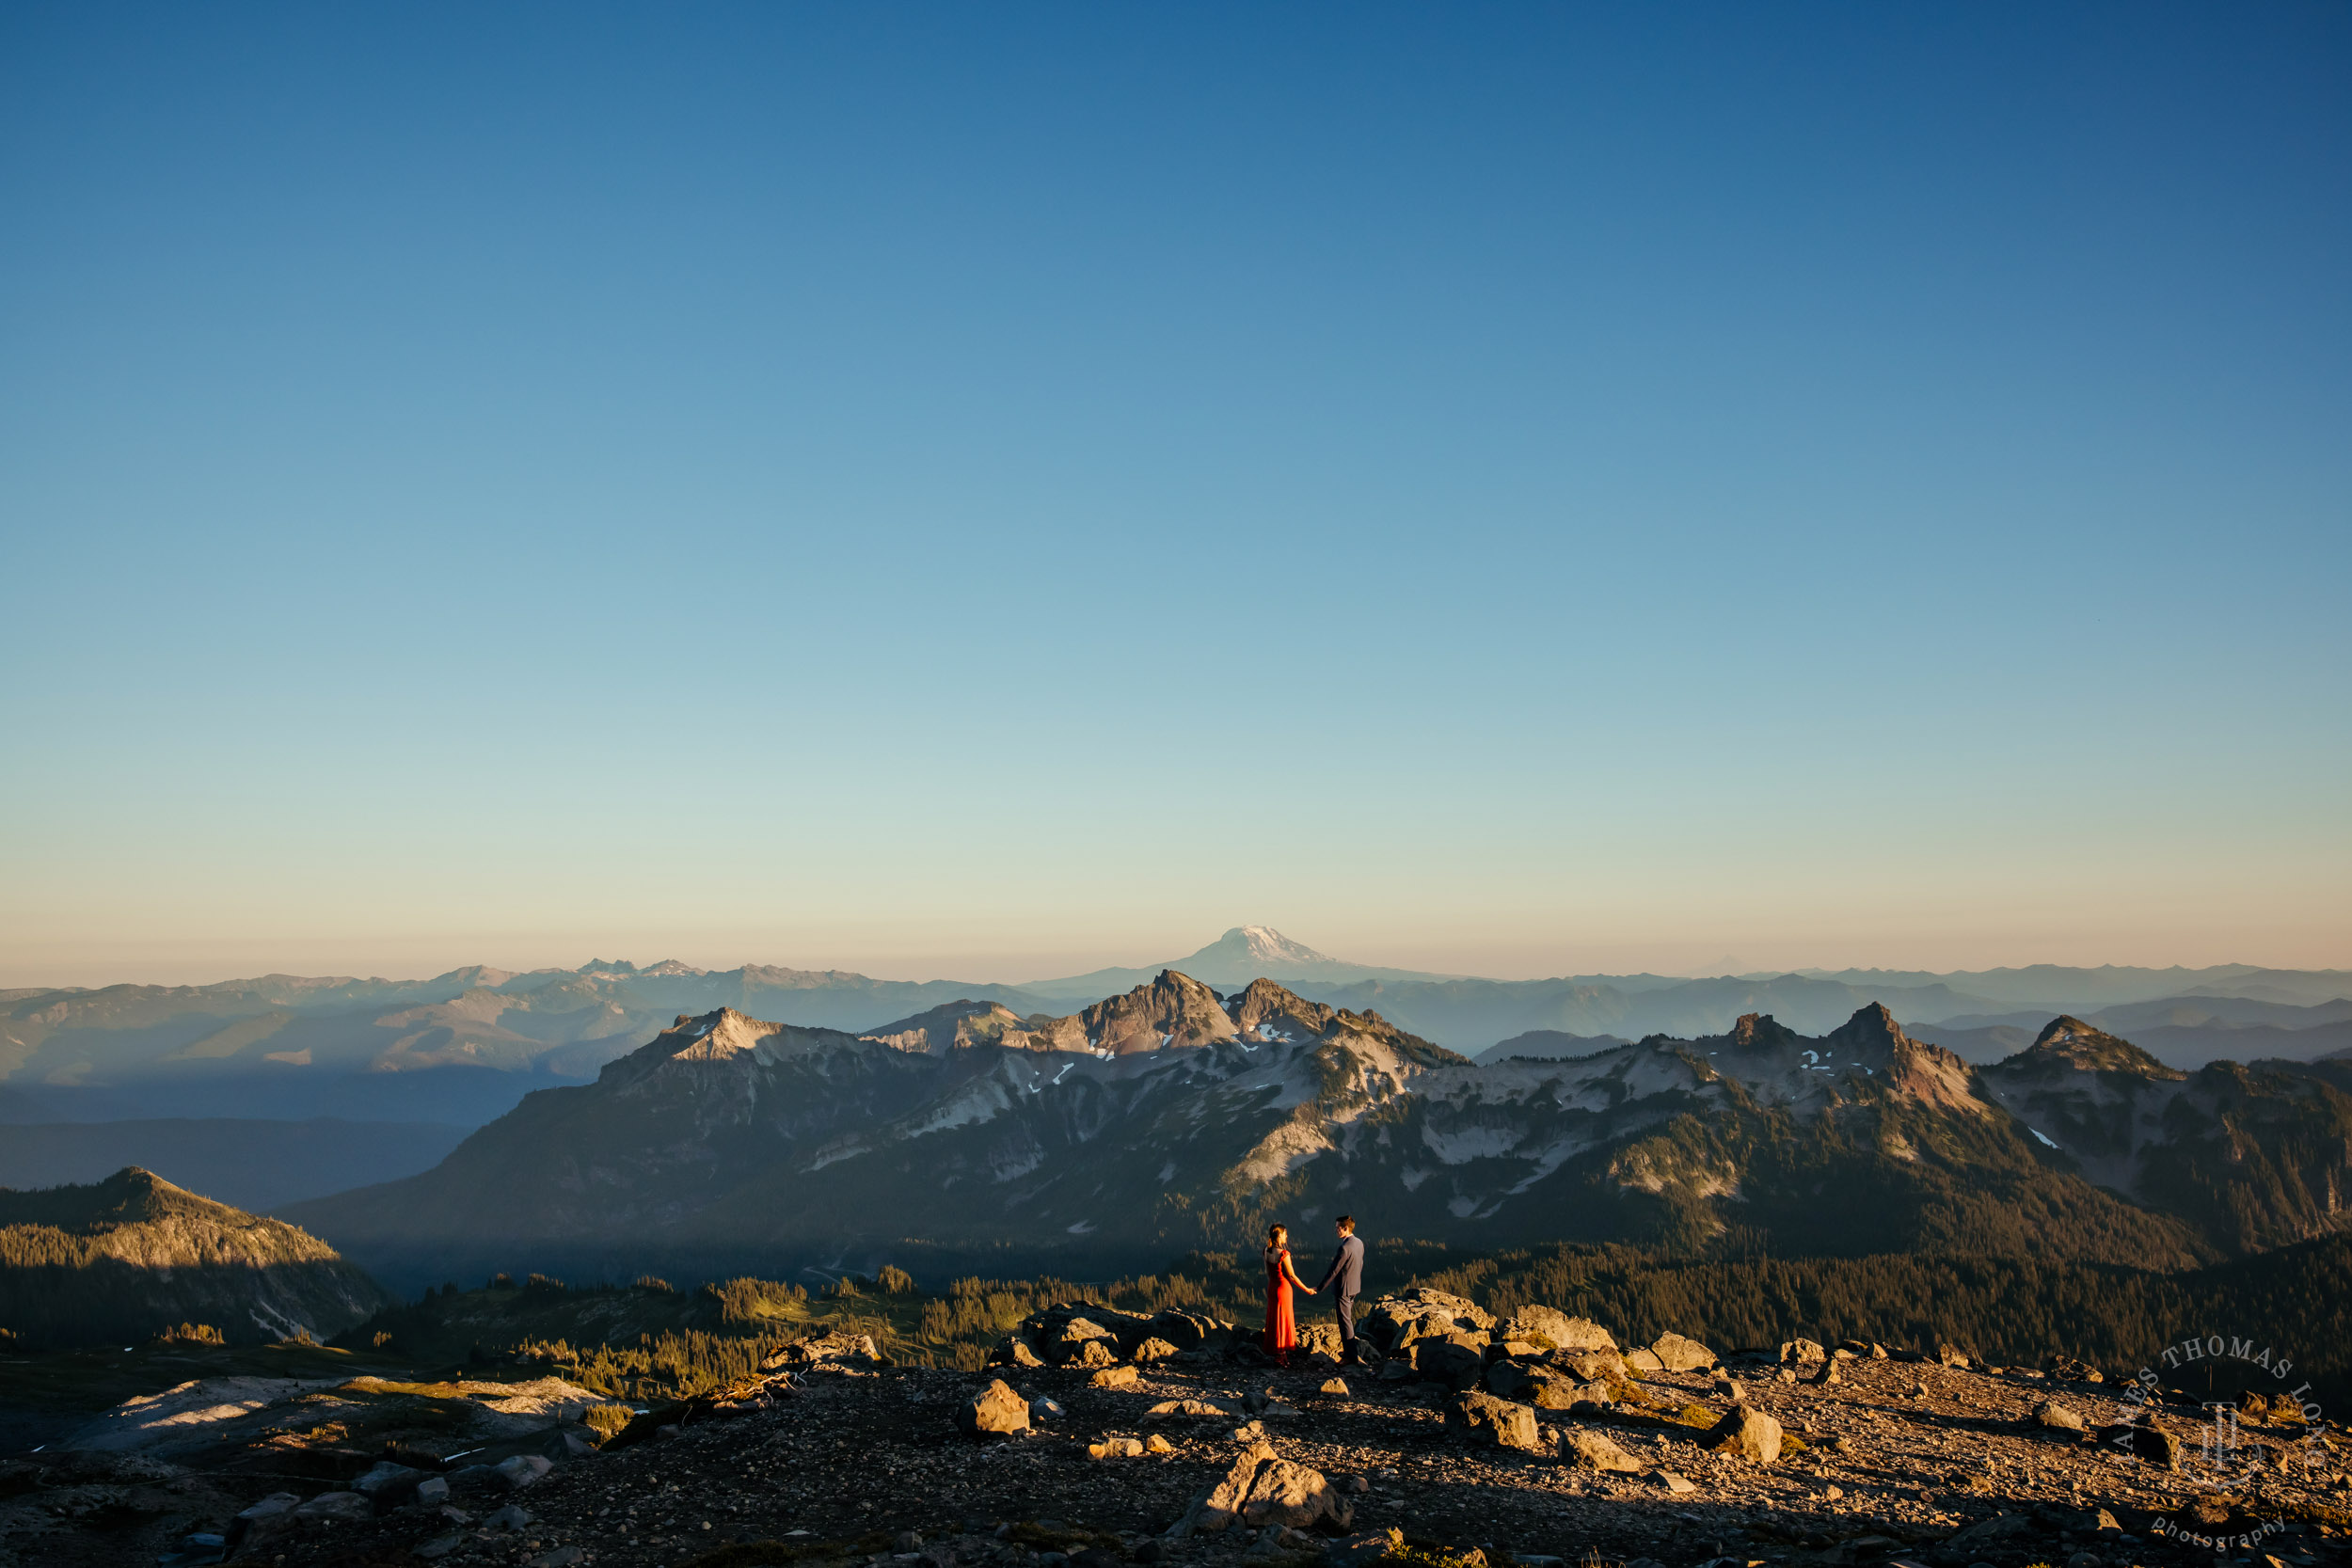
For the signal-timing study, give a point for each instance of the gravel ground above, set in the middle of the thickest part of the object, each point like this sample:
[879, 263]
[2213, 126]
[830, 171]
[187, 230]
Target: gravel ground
[870, 1467]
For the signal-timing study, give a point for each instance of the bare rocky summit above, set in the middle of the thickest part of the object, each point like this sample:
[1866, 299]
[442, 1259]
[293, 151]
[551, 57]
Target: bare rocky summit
[835, 1457]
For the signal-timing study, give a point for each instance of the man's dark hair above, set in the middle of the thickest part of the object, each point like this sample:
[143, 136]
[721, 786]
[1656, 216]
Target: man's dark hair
[1346, 1223]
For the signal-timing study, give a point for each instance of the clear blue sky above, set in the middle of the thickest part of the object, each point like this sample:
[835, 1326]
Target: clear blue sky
[994, 489]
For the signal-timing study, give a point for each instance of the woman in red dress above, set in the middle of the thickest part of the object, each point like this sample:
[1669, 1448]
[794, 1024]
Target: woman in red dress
[1282, 1329]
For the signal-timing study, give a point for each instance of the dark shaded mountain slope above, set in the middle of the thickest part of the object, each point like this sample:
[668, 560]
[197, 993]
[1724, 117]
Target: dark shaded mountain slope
[128, 1256]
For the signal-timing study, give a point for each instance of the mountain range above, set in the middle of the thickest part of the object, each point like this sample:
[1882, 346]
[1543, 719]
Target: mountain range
[1173, 1117]
[346, 1080]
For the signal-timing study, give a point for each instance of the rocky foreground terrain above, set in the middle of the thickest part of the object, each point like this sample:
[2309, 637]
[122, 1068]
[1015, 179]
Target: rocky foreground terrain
[1103, 1438]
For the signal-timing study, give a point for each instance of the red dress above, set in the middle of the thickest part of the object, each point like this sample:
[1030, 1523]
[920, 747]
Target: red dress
[1282, 1329]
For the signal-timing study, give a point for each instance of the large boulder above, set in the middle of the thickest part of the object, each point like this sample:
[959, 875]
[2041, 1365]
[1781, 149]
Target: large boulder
[1797, 1352]
[1068, 1343]
[1591, 1365]
[1448, 1361]
[995, 1411]
[1541, 1386]
[1487, 1420]
[1679, 1354]
[1262, 1488]
[1013, 1351]
[1592, 1451]
[1553, 1329]
[836, 1346]
[1745, 1433]
[1394, 1323]
[1183, 1330]
[2146, 1440]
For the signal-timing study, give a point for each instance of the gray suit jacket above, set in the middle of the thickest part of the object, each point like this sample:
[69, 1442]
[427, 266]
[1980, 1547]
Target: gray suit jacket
[1347, 1269]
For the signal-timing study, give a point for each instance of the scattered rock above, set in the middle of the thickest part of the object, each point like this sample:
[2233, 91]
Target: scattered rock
[1795, 1350]
[2056, 1417]
[1745, 1433]
[1644, 1361]
[1262, 1488]
[2146, 1440]
[523, 1469]
[338, 1505]
[1676, 1353]
[1355, 1551]
[1117, 1447]
[1157, 1444]
[1336, 1386]
[388, 1480]
[438, 1546]
[1167, 1408]
[1041, 1410]
[995, 1411]
[513, 1516]
[1676, 1484]
[1154, 1348]
[1580, 1449]
[1483, 1418]
[1827, 1375]
[431, 1492]
[1114, 1377]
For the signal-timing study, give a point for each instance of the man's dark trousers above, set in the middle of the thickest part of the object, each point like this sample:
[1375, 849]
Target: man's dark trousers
[1343, 1279]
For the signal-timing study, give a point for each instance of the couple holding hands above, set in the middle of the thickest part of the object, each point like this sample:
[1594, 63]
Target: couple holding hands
[1345, 1278]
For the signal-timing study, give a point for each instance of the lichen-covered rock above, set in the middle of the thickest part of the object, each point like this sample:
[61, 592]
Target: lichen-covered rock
[1557, 1331]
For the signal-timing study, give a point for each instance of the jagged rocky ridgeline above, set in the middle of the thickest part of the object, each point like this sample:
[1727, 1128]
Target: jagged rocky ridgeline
[1173, 1117]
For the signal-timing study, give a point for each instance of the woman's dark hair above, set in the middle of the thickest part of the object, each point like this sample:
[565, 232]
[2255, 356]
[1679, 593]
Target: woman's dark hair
[1275, 1232]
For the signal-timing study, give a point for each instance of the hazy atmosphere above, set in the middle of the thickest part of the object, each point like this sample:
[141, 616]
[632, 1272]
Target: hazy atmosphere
[999, 492]
[732, 736]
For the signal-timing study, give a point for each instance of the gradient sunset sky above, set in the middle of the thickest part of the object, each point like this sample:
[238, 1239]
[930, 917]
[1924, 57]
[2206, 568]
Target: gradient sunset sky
[995, 490]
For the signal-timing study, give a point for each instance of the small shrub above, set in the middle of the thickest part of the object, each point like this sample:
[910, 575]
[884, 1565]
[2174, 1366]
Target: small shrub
[650, 1282]
[895, 1280]
[605, 1421]
[191, 1334]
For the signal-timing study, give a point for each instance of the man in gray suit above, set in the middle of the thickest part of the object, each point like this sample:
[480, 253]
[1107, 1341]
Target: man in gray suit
[1344, 1279]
